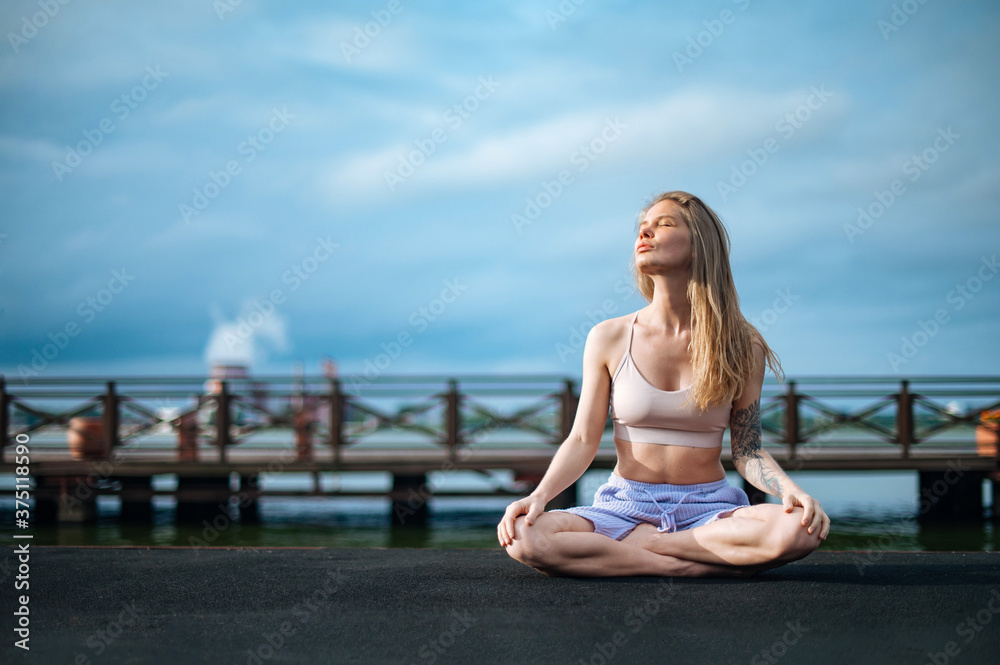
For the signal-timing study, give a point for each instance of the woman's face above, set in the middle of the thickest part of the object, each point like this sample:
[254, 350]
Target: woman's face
[664, 240]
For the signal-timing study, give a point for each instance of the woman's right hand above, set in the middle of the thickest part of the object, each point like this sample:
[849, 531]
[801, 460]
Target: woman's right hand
[531, 506]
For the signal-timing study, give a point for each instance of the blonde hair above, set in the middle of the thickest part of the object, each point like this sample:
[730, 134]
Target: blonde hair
[721, 347]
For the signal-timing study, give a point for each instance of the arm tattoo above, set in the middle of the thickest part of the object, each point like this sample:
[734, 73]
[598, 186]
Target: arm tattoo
[745, 433]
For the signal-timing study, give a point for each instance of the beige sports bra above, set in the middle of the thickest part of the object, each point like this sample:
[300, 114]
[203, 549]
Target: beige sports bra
[642, 413]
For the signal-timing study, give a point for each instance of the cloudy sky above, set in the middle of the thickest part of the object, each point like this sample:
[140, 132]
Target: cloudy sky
[455, 185]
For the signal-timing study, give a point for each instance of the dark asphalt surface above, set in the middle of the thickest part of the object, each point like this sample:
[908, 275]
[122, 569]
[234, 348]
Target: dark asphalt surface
[403, 606]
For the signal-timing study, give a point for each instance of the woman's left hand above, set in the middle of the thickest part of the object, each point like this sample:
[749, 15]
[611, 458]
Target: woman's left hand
[813, 516]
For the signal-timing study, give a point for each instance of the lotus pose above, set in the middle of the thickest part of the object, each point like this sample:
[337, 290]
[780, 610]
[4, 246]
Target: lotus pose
[674, 374]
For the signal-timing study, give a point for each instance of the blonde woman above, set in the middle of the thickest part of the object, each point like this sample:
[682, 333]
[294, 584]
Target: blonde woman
[674, 374]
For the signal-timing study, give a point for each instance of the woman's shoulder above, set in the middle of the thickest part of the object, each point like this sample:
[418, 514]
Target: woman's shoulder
[607, 339]
[612, 328]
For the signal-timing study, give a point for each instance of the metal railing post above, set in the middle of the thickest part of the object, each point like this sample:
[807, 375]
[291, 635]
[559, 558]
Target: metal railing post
[336, 422]
[222, 419]
[904, 418]
[453, 420]
[792, 432]
[111, 419]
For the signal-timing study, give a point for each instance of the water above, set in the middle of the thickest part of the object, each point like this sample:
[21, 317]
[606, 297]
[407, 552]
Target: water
[873, 511]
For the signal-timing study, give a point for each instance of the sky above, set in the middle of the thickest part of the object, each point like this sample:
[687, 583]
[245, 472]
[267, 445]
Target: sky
[452, 188]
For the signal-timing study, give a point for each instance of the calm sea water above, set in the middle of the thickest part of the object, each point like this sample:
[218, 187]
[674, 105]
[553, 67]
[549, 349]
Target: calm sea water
[873, 511]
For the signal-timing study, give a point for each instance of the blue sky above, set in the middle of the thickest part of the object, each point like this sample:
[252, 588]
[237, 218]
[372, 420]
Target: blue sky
[462, 181]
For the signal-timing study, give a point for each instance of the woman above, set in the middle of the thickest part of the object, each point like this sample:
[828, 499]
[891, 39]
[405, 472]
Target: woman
[674, 373]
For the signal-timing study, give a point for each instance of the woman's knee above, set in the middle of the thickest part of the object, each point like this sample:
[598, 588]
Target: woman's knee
[793, 540]
[532, 545]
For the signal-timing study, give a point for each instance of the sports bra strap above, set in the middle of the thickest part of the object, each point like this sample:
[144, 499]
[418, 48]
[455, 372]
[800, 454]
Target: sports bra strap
[628, 349]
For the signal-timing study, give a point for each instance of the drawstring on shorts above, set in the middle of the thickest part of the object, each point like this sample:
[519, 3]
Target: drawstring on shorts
[667, 522]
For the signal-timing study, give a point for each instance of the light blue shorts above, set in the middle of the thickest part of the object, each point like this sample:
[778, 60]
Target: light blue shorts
[621, 504]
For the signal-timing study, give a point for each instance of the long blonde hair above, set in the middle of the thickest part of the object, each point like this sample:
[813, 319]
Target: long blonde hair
[721, 347]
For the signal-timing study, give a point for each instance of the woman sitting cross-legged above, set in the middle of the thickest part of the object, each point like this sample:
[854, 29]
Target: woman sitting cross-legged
[674, 374]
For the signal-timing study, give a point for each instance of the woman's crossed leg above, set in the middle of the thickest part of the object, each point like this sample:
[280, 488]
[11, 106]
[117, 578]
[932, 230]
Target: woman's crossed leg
[565, 545]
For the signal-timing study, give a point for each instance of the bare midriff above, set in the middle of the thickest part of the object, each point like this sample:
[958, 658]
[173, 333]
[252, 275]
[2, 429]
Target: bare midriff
[676, 465]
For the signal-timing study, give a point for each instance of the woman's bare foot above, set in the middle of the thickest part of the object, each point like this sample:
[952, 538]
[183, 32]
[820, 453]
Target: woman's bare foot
[646, 536]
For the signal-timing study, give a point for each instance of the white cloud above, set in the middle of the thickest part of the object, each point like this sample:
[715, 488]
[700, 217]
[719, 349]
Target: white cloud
[687, 127]
[29, 149]
[246, 340]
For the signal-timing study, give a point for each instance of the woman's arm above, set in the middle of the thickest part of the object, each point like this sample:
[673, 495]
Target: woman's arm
[756, 464]
[579, 449]
[577, 452]
[751, 461]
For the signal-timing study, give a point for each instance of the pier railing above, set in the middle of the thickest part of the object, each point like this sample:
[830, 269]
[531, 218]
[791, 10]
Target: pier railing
[387, 421]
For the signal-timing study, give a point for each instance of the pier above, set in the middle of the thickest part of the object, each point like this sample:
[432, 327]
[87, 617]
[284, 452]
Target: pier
[91, 436]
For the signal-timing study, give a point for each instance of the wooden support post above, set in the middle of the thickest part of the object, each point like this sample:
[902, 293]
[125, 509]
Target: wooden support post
[951, 496]
[249, 504]
[904, 418]
[76, 500]
[753, 493]
[48, 499]
[202, 498]
[46, 505]
[136, 499]
[409, 499]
